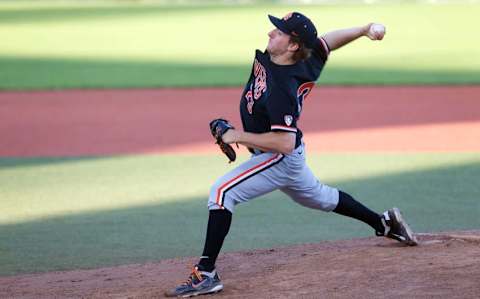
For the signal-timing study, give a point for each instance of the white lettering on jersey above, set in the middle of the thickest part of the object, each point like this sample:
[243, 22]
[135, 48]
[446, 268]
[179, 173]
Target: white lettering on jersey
[260, 79]
[259, 87]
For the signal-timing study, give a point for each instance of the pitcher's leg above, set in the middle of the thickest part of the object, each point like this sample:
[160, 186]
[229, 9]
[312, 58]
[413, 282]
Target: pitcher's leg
[309, 192]
[255, 177]
[348, 206]
[217, 229]
[306, 190]
[390, 224]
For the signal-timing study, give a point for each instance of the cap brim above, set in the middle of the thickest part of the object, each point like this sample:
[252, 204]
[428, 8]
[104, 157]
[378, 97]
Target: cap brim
[279, 23]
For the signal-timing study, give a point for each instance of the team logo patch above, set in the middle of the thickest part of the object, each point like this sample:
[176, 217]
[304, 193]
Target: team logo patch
[288, 120]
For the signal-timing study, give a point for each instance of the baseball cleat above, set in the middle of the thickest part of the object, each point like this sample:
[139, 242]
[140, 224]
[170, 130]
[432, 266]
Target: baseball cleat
[396, 228]
[198, 283]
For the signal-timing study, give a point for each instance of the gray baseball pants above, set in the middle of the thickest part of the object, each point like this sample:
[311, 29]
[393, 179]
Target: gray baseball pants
[266, 172]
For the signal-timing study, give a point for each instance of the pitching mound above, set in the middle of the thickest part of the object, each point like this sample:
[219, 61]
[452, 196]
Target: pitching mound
[445, 265]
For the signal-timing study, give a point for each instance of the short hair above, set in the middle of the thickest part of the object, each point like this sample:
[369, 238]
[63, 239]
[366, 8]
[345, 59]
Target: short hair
[303, 51]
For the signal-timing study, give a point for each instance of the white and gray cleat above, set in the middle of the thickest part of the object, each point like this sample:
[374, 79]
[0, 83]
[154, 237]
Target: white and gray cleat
[396, 228]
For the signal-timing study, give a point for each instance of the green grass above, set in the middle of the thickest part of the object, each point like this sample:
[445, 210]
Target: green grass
[70, 45]
[69, 213]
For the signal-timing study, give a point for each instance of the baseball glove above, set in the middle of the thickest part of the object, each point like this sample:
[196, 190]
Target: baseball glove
[218, 127]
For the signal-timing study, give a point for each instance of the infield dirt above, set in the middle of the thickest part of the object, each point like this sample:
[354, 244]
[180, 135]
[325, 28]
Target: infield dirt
[445, 265]
[119, 122]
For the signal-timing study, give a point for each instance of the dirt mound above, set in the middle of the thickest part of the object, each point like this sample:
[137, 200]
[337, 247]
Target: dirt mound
[445, 265]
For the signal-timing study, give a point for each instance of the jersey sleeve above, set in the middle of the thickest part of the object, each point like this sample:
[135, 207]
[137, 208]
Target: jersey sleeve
[281, 110]
[321, 50]
[318, 59]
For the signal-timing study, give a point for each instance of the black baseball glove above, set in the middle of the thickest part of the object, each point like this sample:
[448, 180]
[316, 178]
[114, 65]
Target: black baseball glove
[218, 127]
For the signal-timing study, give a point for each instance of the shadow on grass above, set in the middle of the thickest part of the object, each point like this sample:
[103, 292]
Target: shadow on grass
[432, 200]
[6, 163]
[42, 73]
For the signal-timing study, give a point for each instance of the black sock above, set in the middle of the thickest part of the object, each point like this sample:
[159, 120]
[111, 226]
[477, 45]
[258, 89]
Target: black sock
[348, 206]
[218, 226]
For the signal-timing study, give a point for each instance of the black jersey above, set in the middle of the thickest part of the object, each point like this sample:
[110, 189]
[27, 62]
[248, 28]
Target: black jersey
[274, 94]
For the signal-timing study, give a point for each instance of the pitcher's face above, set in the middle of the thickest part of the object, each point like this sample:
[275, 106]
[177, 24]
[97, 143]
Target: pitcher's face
[278, 42]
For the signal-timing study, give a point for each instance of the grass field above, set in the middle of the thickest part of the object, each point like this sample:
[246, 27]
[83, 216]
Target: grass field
[100, 44]
[92, 212]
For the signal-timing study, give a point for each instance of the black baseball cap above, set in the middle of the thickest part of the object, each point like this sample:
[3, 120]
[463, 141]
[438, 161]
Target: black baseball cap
[296, 24]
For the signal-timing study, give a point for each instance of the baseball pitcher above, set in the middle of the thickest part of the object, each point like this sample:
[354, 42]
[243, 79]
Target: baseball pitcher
[271, 103]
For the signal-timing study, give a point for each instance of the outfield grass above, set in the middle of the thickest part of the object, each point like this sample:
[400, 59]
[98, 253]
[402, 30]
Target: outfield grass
[61, 45]
[71, 213]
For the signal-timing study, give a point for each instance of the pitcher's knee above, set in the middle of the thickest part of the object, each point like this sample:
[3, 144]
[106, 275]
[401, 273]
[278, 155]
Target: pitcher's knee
[322, 197]
[219, 199]
[327, 198]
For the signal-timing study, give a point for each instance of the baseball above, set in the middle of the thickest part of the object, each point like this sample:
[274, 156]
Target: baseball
[376, 32]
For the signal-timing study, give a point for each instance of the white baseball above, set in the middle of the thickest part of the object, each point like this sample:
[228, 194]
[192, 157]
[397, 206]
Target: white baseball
[377, 31]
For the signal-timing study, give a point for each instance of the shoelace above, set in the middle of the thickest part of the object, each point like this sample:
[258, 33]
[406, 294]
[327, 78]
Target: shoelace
[195, 273]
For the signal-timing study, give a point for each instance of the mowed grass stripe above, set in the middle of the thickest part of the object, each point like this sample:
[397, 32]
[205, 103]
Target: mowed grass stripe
[42, 187]
[93, 212]
[149, 45]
